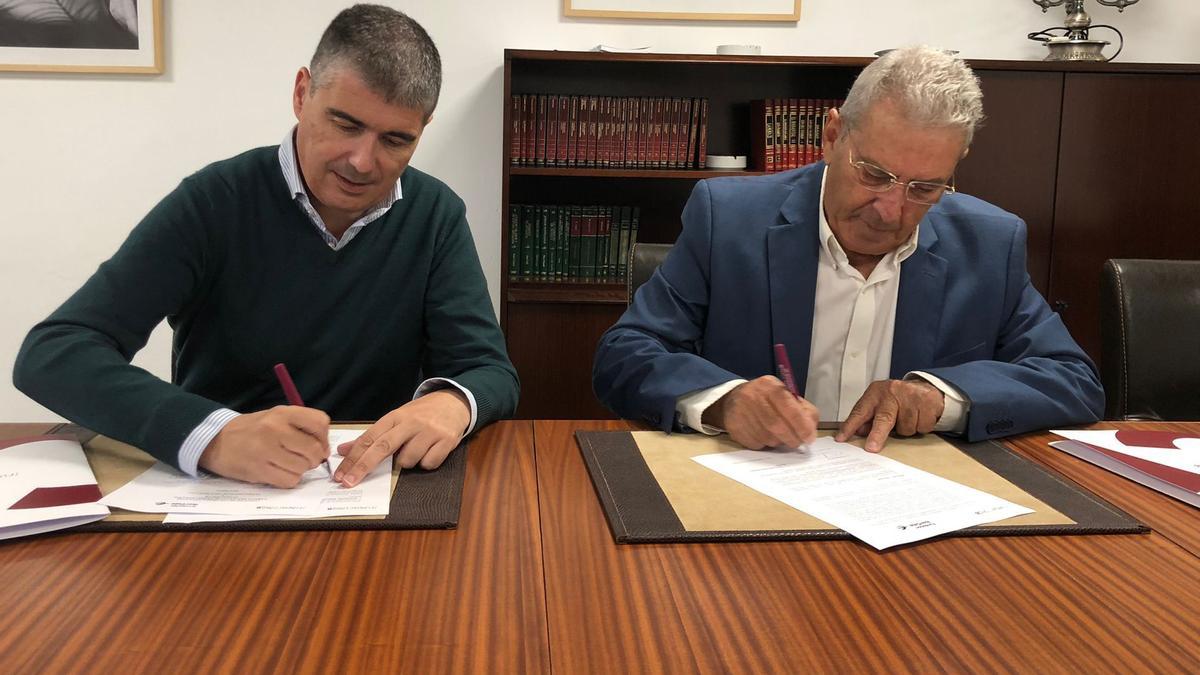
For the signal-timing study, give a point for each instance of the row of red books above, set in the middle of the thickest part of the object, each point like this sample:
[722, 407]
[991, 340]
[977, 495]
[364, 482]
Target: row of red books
[610, 132]
[785, 133]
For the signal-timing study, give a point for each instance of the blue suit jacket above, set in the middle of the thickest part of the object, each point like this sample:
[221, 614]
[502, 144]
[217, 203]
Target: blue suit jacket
[742, 277]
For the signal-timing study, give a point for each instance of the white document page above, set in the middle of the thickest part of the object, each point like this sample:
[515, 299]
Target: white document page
[163, 489]
[44, 463]
[878, 500]
[1185, 456]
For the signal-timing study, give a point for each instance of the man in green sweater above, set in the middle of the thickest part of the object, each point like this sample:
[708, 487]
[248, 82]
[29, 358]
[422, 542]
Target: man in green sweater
[327, 253]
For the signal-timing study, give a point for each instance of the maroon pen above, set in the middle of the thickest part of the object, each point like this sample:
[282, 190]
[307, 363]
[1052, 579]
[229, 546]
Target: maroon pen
[293, 397]
[783, 367]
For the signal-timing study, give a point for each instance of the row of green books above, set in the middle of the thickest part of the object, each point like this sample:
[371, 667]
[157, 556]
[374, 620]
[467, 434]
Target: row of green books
[570, 243]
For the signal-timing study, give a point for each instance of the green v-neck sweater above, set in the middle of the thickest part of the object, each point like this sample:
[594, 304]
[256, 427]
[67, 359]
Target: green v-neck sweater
[245, 281]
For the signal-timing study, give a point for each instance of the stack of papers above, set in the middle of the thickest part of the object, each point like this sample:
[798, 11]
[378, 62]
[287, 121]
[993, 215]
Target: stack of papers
[163, 489]
[1166, 461]
[876, 499]
[46, 485]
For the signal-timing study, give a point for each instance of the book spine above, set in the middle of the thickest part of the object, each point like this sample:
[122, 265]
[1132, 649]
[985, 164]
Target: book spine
[514, 130]
[528, 137]
[614, 243]
[575, 242]
[657, 160]
[539, 143]
[693, 128]
[819, 132]
[780, 132]
[623, 243]
[810, 131]
[793, 160]
[685, 125]
[528, 238]
[602, 129]
[593, 130]
[673, 146]
[610, 131]
[542, 249]
[563, 140]
[621, 137]
[633, 225]
[551, 243]
[551, 130]
[604, 225]
[643, 132]
[564, 247]
[587, 248]
[514, 241]
[581, 137]
[702, 142]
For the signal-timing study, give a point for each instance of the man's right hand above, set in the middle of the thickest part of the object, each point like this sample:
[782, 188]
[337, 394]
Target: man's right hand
[762, 413]
[273, 447]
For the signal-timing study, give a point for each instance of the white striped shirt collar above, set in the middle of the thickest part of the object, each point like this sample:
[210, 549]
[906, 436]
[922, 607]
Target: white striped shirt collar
[291, 175]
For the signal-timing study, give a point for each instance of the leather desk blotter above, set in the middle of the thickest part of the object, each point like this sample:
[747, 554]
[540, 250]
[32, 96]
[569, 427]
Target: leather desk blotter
[421, 500]
[652, 492]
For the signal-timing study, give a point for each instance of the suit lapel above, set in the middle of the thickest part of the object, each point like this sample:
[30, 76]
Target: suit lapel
[792, 249]
[919, 306]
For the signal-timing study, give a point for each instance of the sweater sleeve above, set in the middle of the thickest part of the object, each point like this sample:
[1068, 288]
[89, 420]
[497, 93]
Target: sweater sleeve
[463, 341]
[77, 361]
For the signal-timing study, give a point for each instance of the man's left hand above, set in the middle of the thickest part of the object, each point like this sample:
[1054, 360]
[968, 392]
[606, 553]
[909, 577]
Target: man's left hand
[905, 406]
[421, 432]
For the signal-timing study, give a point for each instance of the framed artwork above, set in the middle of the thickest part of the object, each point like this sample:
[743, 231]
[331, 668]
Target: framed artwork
[690, 10]
[81, 36]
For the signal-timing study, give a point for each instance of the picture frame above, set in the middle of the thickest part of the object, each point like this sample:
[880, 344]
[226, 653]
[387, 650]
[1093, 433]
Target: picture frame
[82, 36]
[686, 10]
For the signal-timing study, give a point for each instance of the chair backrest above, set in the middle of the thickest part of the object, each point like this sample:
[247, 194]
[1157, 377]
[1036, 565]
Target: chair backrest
[643, 260]
[1150, 339]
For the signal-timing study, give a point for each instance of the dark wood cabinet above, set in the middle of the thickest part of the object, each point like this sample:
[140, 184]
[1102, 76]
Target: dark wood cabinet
[1097, 158]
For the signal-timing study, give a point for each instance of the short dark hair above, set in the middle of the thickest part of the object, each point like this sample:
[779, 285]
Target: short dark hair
[390, 51]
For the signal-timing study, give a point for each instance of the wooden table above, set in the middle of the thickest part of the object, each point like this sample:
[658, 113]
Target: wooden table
[1071, 604]
[468, 600]
[531, 581]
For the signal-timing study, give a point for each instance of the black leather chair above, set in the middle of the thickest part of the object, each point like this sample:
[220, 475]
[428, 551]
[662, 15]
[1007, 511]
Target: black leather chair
[643, 260]
[1150, 339]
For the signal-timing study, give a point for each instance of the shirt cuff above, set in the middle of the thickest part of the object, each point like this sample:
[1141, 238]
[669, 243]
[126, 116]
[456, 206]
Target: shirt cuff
[197, 442]
[438, 383]
[954, 416]
[691, 406]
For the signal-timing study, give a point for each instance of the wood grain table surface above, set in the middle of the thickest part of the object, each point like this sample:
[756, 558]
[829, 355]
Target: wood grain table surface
[1036, 604]
[464, 600]
[531, 581]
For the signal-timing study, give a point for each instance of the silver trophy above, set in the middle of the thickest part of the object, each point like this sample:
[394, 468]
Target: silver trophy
[1070, 42]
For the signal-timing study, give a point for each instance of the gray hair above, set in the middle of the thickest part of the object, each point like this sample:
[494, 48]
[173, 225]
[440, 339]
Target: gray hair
[393, 55]
[932, 89]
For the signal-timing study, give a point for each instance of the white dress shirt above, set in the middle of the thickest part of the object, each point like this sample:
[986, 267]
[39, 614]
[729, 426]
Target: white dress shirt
[854, 320]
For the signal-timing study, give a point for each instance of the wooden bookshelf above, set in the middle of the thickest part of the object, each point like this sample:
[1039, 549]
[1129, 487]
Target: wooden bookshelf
[1097, 158]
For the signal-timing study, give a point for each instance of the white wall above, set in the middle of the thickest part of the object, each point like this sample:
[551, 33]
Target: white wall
[83, 157]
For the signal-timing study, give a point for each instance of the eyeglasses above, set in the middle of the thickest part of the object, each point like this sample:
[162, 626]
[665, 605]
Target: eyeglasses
[877, 179]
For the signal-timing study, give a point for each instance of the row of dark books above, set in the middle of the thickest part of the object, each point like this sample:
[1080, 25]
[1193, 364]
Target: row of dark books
[570, 243]
[608, 132]
[785, 133]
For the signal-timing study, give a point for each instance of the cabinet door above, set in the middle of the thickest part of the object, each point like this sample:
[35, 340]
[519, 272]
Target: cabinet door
[1012, 162]
[1129, 167]
[551, 345]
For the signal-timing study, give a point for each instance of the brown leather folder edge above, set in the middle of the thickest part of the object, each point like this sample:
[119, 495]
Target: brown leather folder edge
[422, 500]
[639, 513]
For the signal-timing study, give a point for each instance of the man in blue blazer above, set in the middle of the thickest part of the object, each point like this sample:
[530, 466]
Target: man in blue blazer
[904, 307]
